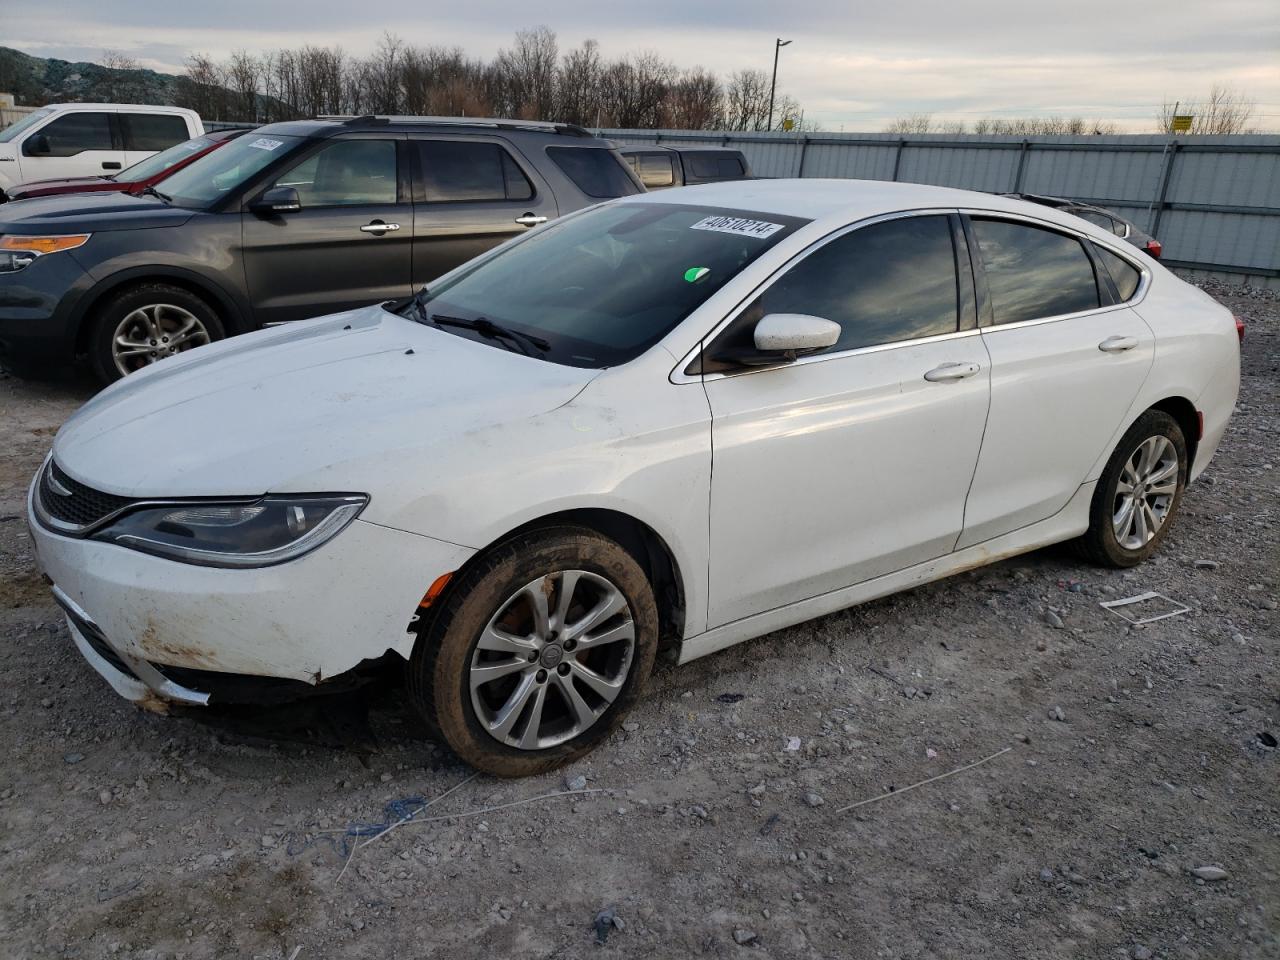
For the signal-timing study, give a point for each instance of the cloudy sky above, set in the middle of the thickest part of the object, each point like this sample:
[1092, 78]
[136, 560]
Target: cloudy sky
[853, 66]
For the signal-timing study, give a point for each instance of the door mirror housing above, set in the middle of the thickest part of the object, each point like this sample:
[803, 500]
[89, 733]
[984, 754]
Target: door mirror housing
[791, 335]
[37, 145]
[277, 200]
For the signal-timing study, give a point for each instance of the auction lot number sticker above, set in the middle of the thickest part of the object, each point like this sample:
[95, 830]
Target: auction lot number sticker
[737, 226]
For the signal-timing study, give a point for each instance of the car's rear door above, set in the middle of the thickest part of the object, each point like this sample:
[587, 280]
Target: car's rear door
[853, 463]
[348, 245]
[145, 134]
[470, 194]
[1067, 362]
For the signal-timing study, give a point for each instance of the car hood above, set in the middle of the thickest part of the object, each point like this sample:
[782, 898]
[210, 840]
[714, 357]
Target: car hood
[327, 405]
[89, 213]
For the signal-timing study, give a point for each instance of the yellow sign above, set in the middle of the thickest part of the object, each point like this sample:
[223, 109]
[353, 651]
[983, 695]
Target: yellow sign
[1182, 123]
[788, 124]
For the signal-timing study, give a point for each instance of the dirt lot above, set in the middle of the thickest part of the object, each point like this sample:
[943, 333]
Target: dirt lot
[1137, 754]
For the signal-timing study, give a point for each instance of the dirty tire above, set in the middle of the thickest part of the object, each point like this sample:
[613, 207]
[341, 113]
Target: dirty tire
[109, 316]
[1099, 544]
[439, 670]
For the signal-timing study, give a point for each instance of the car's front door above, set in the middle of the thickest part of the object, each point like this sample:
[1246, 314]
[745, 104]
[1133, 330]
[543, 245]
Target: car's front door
[347, 246]
[853, 463]
[1066, 364]
[469, 196]
[81, 143]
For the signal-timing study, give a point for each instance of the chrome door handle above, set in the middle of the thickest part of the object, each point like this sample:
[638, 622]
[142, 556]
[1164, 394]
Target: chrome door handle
[530, 220]
[379, 227]
[1118, 344]
[948, 372]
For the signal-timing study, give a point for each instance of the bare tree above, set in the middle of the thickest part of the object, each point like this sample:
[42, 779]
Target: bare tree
[746, 101]
[694, 101]
[1226, 110]
[201, 87]
[912, 123]
[120, 83]
[241, 75]
[578, 85]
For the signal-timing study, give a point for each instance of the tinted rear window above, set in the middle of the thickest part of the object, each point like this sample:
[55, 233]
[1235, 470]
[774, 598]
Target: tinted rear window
[1033, 273]
[597, 173]
[711, 166]
[1125, 275]
[153, 131]
[459, 170]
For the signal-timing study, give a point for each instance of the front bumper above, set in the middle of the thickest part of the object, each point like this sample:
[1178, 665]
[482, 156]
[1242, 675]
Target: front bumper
[132, 615]
[36, 307]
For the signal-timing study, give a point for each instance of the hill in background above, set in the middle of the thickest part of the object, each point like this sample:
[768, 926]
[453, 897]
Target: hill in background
[35, 81]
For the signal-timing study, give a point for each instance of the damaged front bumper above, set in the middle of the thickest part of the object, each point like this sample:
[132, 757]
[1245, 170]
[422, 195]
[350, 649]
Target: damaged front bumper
[163, 632]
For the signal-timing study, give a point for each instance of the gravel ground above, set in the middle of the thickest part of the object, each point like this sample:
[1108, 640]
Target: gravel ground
[1136, 755]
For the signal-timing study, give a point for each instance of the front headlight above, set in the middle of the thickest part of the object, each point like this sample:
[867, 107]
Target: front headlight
[256, 534]
[18, 251]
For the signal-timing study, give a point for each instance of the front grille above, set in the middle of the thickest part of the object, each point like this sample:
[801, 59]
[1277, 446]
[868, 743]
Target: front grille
[81, 506]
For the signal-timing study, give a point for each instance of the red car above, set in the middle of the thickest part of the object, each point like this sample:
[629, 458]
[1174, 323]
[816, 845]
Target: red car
[135, 179]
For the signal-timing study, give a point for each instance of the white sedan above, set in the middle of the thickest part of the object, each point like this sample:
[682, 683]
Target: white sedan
[692, 417]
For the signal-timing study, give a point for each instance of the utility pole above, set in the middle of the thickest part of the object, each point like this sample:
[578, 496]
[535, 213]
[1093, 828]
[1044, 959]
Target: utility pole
[778, 44]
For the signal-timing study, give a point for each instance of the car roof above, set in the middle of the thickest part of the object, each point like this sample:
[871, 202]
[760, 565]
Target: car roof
[845, 201]
[140, 107]
[331, 126]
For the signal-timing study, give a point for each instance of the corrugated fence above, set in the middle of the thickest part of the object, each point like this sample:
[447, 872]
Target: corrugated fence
[1214, 202]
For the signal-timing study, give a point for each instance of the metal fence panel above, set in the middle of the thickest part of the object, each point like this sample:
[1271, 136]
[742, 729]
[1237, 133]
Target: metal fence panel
[1214, 202]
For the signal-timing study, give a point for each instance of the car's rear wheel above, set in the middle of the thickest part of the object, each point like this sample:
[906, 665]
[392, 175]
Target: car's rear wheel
[1138, 494]
[146, 323]
[538, 652]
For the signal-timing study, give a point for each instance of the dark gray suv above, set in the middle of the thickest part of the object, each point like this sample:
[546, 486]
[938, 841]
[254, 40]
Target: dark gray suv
[291, 221]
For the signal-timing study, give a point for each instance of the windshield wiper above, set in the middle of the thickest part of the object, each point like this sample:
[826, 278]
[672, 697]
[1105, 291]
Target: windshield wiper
[492, 331]
[155, 193]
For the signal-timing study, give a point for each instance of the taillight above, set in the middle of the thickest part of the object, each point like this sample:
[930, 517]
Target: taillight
[1240, 329]
[1154, 248]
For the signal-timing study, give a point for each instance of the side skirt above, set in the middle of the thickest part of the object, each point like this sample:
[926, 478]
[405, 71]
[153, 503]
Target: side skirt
[1071, 521]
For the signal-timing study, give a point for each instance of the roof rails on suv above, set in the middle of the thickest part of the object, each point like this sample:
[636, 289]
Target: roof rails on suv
[540, 126]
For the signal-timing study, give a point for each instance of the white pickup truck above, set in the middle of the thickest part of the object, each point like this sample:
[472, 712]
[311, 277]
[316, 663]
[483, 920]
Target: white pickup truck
[89, 139]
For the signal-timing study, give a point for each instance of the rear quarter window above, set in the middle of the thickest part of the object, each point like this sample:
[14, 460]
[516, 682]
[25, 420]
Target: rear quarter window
[711, 166]
[1033, 273]
[1125, 275]
[598, 173]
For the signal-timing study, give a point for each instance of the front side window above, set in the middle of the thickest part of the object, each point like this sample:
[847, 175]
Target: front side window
[602, 287]
[1033, 273]
[206, 181]
[345, 173]
[70, 134]
[886, 282]
[597, 173]
[153, 131]
[462, 170]
[1125, 275]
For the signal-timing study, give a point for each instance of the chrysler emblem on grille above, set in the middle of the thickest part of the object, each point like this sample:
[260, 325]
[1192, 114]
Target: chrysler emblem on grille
[57, 487]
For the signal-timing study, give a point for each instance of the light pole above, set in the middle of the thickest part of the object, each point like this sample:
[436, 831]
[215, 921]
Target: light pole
[778, 44]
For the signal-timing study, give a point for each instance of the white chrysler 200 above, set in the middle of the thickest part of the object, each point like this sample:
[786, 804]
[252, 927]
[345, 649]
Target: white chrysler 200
[695, 416]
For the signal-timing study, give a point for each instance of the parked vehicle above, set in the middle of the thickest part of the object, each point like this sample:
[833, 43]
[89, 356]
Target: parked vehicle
[298, 219]
[1106, 219]
[143, 174]
[660, 167]
[506, 479]
[88, 139]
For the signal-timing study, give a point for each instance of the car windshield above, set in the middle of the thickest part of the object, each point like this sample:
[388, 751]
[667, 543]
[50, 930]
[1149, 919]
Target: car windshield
[600, 288]
[162, 161]
[11, 131]
[205, 181]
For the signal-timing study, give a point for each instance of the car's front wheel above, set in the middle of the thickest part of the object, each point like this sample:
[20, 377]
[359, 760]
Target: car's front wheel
[538, 652]
[146, 323]
[1138, 494]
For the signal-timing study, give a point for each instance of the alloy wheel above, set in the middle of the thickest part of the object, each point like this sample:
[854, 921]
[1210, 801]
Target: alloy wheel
[1145, 492]
[552, 659]
[154, 332]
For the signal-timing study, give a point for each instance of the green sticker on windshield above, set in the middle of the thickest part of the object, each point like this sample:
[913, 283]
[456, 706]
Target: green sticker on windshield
[696, 273]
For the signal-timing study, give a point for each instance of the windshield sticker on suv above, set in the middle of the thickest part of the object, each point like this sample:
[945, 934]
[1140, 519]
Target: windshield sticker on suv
[738, 226]
[266, 143]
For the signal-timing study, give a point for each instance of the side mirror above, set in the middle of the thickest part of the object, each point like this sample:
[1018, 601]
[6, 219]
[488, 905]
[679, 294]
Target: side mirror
[37, 146]
[277, 200]
[793, 335]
